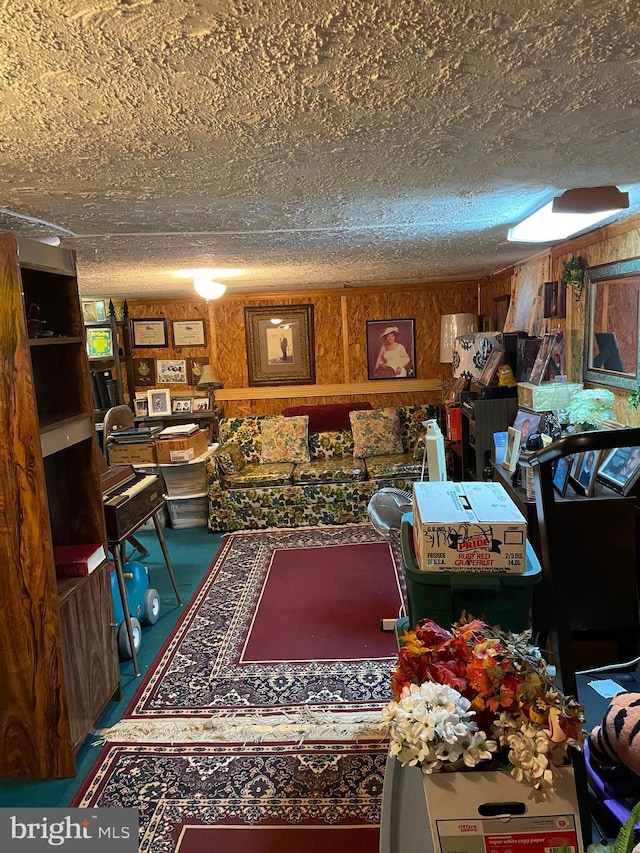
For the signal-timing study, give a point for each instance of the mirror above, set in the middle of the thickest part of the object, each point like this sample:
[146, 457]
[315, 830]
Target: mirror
[611, 352]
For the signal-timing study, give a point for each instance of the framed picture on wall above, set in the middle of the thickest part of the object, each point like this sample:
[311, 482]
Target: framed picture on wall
[500, 310]
[144, 371]
[391, 348]
[280, 345]
[149, 333]
[188, 333]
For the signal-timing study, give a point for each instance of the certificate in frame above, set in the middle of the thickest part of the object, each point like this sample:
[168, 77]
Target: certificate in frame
[188, 333]
[150, 332]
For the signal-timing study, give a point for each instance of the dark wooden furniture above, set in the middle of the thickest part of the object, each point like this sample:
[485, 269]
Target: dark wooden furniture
[597, 549]
[59, 663]
[481, 417]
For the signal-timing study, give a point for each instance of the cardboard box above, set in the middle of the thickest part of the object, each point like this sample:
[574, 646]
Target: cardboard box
[182, 449]
[477, 812]
[468, 527]
[454, 423]
[132, 453]
[548, 396]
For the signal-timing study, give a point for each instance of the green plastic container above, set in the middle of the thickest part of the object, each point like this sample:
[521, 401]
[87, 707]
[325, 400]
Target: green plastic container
[503, 600]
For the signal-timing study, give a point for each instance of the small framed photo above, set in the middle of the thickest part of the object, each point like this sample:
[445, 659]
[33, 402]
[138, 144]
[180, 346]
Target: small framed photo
[180, 405]
[490, 366]
[159, 402]
[201, 404]
[188, 333]
[561, 474]
[454, 391]
[149, 333]
[584, 471]
[391, 346]
[527, 422]
[141, 407]
[551, 346]
[620, 469]
[512, 451]
[94, 311]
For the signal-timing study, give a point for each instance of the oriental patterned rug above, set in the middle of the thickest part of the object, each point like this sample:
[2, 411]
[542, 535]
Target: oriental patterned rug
[282, 641]
[244, 799]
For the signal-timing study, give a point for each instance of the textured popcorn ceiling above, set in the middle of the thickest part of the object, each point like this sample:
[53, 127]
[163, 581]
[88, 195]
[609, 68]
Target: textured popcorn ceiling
[307, 144]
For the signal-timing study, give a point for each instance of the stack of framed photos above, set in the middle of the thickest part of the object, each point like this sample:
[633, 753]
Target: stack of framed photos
[617, 469]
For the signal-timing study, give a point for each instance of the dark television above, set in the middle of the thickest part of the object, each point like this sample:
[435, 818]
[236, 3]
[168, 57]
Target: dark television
[608, 357]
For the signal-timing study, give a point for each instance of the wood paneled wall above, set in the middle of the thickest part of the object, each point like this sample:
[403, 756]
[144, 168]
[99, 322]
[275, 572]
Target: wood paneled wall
[340, 341]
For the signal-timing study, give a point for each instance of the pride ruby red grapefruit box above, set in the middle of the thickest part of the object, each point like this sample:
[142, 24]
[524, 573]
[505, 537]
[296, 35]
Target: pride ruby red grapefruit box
[468, 527]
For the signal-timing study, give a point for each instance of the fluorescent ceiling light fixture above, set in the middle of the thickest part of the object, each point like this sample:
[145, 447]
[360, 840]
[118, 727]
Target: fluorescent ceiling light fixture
[568, 214]
[207, 288]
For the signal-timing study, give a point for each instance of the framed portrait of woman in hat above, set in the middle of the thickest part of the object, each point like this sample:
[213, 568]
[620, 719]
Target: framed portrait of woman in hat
[391, 349]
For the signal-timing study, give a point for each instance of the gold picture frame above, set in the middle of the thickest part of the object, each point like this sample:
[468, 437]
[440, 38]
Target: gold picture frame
[280, 345]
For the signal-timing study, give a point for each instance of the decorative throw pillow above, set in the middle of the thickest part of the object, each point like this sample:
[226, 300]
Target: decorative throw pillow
[229, 458]
[376, 432]
[285, 439]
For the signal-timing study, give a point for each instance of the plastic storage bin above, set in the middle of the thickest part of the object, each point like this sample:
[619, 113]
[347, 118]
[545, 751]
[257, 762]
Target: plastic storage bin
[503, 600]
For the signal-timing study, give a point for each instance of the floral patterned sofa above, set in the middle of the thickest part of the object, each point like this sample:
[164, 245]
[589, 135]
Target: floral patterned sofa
[291, 470]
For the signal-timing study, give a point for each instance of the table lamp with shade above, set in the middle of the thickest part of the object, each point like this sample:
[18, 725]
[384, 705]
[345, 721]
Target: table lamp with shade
[209, 381]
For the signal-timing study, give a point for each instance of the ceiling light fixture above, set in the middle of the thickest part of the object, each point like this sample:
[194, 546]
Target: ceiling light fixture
[567, 214]
[207, 288]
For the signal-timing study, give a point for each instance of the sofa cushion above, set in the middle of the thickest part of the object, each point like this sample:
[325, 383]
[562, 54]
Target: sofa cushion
[285, 439]
[255, 475]
[330, 444]
[229, 458]
[346, 469]
[329, 416]
[376, 432]
[393, 465]
[245, 431]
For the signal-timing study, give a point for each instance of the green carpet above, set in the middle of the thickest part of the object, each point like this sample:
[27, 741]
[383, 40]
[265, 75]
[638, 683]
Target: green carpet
[192, 551]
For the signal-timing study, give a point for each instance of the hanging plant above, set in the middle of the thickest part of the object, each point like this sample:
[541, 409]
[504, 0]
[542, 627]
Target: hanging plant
[573, 271]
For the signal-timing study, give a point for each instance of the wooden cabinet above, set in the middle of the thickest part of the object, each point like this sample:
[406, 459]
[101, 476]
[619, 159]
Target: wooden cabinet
[480, 419]
[598, 538]
[59, 664]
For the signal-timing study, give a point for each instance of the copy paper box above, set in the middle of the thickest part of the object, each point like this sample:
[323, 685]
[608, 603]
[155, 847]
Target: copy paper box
[182, 449]
[132, 453]
[487, 811]
[468, 527]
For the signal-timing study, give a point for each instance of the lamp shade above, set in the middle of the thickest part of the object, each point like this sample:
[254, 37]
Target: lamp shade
[209, 378]
[207, 288]
[451, 327]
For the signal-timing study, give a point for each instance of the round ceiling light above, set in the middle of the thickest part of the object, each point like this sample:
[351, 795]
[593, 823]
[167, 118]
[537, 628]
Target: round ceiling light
[207, 288]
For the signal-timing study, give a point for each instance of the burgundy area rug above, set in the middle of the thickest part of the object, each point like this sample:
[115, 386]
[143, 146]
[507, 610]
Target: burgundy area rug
[282, 640]
[244, 799]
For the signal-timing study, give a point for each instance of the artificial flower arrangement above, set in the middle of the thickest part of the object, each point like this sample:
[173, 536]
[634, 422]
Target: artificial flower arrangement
[479, 697]
[590, 408]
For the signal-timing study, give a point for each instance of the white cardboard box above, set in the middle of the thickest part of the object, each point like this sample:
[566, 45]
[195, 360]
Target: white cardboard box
[468, 527]
[476, 812]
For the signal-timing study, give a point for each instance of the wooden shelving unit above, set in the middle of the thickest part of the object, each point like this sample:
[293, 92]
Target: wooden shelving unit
[59, 663]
